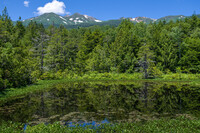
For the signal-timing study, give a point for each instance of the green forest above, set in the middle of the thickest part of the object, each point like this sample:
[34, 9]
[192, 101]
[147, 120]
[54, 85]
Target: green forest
[34, 52]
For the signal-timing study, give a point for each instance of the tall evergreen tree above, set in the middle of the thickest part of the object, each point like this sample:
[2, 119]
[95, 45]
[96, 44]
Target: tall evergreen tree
[125, 47]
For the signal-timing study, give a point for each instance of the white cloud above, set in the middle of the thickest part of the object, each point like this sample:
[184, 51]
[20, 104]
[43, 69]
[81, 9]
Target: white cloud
[55, 6]
[26, 3]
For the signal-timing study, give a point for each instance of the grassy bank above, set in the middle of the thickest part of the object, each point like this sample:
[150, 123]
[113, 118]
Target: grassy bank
[164, 125]
[45, 84]
[119, 76]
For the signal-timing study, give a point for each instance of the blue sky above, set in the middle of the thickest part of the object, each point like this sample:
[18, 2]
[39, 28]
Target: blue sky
[101, 9]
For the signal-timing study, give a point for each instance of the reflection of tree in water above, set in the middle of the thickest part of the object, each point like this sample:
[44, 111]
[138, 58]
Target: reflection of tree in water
[115, 101]
[190, 99]
[20, 109]
[42, 112]
[168, 99]
[145, 94]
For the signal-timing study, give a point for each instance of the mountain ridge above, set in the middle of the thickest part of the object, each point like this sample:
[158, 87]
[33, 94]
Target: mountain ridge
[79, 20]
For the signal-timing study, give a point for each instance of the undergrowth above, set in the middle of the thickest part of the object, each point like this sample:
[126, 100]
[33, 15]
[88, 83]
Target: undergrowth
[164, 125]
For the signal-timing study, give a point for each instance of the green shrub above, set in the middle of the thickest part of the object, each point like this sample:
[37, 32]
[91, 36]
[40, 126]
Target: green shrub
[10, 127]
[47, 75]
[181, 76]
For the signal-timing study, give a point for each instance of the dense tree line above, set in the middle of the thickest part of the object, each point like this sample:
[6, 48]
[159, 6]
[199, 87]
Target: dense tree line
[33, 52]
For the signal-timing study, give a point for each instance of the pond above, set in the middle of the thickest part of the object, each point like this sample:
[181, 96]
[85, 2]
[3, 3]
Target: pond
[120, 101]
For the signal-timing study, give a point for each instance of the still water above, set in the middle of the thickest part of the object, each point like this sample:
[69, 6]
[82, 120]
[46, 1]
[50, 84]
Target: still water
[97, 101]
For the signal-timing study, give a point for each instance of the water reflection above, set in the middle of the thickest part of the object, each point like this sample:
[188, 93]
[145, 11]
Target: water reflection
[118, 102]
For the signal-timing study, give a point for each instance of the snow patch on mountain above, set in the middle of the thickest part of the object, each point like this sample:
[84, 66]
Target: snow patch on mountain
[64, 22]
[133, 19]
[78, 21]
[154, 19]
[86, 16]
[97, 20]
[62, 18]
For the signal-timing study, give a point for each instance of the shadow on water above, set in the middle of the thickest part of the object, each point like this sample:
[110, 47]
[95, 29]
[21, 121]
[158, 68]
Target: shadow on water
[94, 101]
[3, 92]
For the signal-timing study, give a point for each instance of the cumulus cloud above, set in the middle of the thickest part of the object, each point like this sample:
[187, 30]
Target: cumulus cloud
[26, 3]
[55, 6]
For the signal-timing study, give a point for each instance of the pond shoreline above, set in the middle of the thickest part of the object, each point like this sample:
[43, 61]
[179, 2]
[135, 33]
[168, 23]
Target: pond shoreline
[12, 93]
[134, 99]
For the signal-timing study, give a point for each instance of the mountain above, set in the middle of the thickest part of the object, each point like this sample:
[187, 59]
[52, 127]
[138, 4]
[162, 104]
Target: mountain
[172, 18]
[48, 19]
[52, 18]
[77, 20]
[113, 23]
[141, 19]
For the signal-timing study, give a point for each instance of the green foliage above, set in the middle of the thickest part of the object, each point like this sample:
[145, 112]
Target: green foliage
[124, 48]
[181, 76]
[10, 127]
[33, 52]
[180, 124]
[155, 72]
